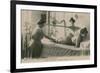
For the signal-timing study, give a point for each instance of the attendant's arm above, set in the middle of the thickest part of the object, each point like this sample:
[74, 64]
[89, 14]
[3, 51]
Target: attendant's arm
[52, 39]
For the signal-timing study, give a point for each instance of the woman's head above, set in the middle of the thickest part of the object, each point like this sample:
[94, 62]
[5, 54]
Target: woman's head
[83, 32]
[42, 20]
[41, 23]
[72, 20]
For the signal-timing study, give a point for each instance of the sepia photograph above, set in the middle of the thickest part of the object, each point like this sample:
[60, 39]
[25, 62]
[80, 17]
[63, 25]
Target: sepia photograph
[54, 36]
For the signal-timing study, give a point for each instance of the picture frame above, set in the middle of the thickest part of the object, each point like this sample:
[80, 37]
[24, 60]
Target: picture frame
[17, 13]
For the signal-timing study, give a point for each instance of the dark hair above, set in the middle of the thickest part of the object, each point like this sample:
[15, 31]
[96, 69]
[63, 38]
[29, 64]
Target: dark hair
[84, 30]
[42, 20]
[72, 19]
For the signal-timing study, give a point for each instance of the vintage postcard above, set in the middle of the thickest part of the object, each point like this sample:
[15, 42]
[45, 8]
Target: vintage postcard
[54, 35]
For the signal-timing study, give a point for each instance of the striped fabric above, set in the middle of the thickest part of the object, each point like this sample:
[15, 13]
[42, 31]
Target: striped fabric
[61, 50]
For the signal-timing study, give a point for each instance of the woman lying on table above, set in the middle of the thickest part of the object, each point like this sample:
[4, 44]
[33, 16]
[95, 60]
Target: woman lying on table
[75, 35]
